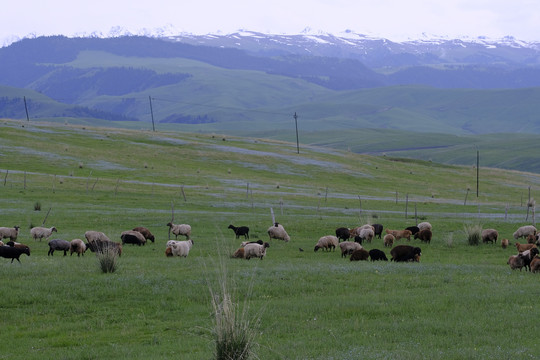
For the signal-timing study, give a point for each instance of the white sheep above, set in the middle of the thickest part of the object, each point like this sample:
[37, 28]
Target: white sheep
[425, 225]
[180, 229]
[525, 231]
[9, 233]
[356, 231]
[366, 234]
[277, 231]
[255, 250]
[77, 246]
[347, 247]
[40, 232]
[180, 248]
[92, 236]
[328, 242]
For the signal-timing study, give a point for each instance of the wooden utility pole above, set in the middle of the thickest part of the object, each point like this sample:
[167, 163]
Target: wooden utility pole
[26, 109]
[152, 113]
[296, 124]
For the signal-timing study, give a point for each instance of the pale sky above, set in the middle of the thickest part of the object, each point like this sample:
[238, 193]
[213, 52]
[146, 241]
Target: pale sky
[392, 19]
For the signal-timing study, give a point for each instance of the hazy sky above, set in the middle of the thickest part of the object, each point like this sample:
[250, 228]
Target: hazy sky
[393, 19]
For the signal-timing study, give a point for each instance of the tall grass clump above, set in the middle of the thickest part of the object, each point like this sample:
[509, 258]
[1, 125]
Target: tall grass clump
[473, 232]
[107, 259]
[234, 330]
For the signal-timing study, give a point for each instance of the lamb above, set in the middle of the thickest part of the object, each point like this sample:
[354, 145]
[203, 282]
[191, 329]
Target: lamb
[132, 237]
[77, 246]
[146, 233]
[489, 235]
[328, 242]
[58, 244]
[523, 247]
[377, 229]
[424, 235]
[504, 243]
[180, 248]
[278, 232]
[524, 231]
[92, 236]
[515, 262]
[343, 233]
[389, 240]
[366, 234]
[348, 247]
[180, 229]
[255, 250]
[398, 234]
[240, 231]
[9, 233]
[405, 253]
[376, 254]
[413, 229]
[359, 255]
[39, 232]
[12, 252]
[424, 225]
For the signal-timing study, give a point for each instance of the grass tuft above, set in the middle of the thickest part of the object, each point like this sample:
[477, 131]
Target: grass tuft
[108, 260]
[473, 232]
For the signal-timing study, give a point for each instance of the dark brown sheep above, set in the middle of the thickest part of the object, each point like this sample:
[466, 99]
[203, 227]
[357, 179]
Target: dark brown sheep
[358, 255]
[146, 233]
[424, 235]
[402, 253]
[490, 235]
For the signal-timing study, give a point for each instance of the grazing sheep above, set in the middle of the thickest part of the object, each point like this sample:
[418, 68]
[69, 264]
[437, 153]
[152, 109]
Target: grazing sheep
[12, 252]
[168, 252]
[535, 264]
[515, 262]
[356, 230]
[255, 250]
[413, 229]
[277, 231]
[398, 234]
[377, 229]
[366, 234]
[39, 232]
[405, 253]
[343, 233]
[9, 233]
[523, 247]
[77, 246]
[531, 239]
[524, 231]
[92, 236]
[504, 243]
[527, 257]
[132, 237]
[376, 254]
[328, 242]
[359, 255]
[146, 233]
[58, 244]
[489, 235]
[424, 225]
[239, 253]
[389, 240]
[348, 247]
[180, 248]
[240, 231]
[100, 246]
[424, 235]
[180, 229]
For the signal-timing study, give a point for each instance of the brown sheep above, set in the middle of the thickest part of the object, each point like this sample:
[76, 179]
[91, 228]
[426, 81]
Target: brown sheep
[358, 255]
[504, 243]
[389, 240]
[531, 239]
[405, 253]
[398, 234]
[535, 264]
[146, 233]
[239, 253]
[490, 235]
[424, 235]
[515, 262]
[168, 252]
[523, 247]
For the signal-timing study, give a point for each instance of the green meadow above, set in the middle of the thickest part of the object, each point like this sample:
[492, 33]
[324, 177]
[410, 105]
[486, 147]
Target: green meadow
[458, 302]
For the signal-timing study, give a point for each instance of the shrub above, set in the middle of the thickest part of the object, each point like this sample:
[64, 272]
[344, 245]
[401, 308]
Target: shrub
[474, 233]
[108, 260]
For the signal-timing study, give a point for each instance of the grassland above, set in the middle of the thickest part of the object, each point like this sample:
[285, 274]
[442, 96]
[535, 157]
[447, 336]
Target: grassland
[458, 302]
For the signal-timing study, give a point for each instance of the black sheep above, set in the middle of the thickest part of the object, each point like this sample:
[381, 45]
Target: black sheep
[376, 254]
[343, 233]
[405, 253]
[13, 252]
[377, 229]
[413, 229]
[240, 231]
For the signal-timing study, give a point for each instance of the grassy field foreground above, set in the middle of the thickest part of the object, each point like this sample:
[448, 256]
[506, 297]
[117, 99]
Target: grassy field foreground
[459, 302]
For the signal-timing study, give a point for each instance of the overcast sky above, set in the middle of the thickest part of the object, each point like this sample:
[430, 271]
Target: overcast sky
[393, 19]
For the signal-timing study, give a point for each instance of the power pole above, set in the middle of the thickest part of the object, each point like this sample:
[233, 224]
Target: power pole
[26, 108]
[152, 113]
[296, 124]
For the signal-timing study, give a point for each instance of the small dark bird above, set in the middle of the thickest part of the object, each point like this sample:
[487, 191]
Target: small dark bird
[300, 249]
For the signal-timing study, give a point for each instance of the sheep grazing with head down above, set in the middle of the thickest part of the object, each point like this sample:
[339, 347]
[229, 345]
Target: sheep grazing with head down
[424, 235]
[146, 233]
[77, 246]
[398, 234]
[132, 237]
[40, 232]
[402, 253]
[515, 262]
[424, 225]
[12, 252]
[489, 235]
[277, 231]
[255, 250]
[504, 243]
[348, 247]
[388, 240]
[343, 233]
[9, 233]
[413, 229]
[356, 231]
[92, 236]
[366, 234]
[524, 231]
[328, 242]
[240, 231]
[359, 255]
[58, 244]
[180, 248]
[377, 229]
[376, 255]
[180, 229]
